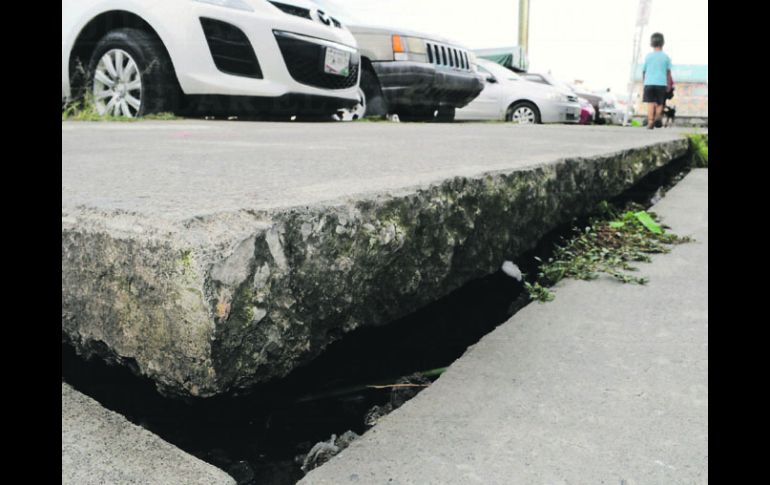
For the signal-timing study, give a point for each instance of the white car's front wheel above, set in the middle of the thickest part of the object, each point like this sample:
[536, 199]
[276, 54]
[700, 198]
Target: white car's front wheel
[117, 86]
[131, 75]
[523, 113]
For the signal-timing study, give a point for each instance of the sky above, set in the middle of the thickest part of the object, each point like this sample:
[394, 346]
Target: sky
[589, 40]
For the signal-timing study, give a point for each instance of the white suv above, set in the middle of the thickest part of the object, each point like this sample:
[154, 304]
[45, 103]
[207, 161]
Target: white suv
[224, 56]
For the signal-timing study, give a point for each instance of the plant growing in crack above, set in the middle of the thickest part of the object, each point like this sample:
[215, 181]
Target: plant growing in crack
[611, 243]
[699, 146]
[538, 292]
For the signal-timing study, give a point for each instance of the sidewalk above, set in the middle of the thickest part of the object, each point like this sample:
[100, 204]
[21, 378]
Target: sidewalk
[607, 384]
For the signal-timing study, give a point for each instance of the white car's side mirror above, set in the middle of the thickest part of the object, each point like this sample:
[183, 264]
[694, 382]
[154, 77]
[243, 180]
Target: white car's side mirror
[491, 79]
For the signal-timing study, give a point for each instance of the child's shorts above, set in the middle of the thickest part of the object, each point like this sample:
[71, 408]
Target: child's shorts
[654, 94]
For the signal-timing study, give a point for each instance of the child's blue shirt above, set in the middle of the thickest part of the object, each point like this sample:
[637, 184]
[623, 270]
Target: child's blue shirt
[655, 66]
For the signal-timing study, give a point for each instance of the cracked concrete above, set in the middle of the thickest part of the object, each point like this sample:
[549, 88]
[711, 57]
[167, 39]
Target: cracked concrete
[217, 290]
[607, 384]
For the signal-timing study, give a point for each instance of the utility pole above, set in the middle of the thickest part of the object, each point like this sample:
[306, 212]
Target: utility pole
[524, 25]
[642, 18]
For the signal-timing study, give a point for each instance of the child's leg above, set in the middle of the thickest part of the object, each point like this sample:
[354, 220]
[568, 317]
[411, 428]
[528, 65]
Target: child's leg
[658, 111]
[650, 113]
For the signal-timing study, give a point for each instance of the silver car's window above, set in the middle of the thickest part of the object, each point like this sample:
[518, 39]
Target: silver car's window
[535, 78]
[499, 71]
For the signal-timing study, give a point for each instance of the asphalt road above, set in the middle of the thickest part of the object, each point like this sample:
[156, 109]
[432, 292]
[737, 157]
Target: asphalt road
[180, 169]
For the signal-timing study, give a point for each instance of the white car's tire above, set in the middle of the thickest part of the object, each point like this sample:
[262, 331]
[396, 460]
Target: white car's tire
[130, 75]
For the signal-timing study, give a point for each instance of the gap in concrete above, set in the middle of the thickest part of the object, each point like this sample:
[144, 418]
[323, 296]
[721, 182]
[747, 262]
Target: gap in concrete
[255, 437]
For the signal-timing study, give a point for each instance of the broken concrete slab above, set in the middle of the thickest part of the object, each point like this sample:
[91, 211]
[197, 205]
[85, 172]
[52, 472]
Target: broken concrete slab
[213, 256]
[608, 383]
[100, 446]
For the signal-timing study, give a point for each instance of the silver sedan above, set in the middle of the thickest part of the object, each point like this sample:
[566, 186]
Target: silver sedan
[507, 96]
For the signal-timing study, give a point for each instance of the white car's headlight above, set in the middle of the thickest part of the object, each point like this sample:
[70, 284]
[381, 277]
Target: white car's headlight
[236, 4]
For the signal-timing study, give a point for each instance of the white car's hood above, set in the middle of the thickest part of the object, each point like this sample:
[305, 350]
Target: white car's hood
[308, 4]
[299, 3]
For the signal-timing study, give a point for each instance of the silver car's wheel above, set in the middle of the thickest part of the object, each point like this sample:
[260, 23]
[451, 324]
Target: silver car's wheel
[117, 84]
[523, 115]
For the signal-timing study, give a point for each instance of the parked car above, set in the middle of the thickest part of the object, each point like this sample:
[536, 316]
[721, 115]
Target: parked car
[592, 98]
[587, 112]
[507, 96]
[415, 75]
[143, 56]
[609, 108]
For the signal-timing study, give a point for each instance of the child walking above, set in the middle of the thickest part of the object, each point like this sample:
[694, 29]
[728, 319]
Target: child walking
[657, 81]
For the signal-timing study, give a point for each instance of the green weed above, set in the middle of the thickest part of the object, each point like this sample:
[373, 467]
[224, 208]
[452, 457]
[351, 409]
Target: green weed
[611, 243]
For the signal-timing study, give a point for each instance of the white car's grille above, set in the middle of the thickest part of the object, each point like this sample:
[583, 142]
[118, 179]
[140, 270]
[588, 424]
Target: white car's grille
[444, 55]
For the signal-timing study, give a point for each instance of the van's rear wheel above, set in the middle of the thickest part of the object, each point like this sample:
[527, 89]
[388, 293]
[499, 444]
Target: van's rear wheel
[131, 75]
